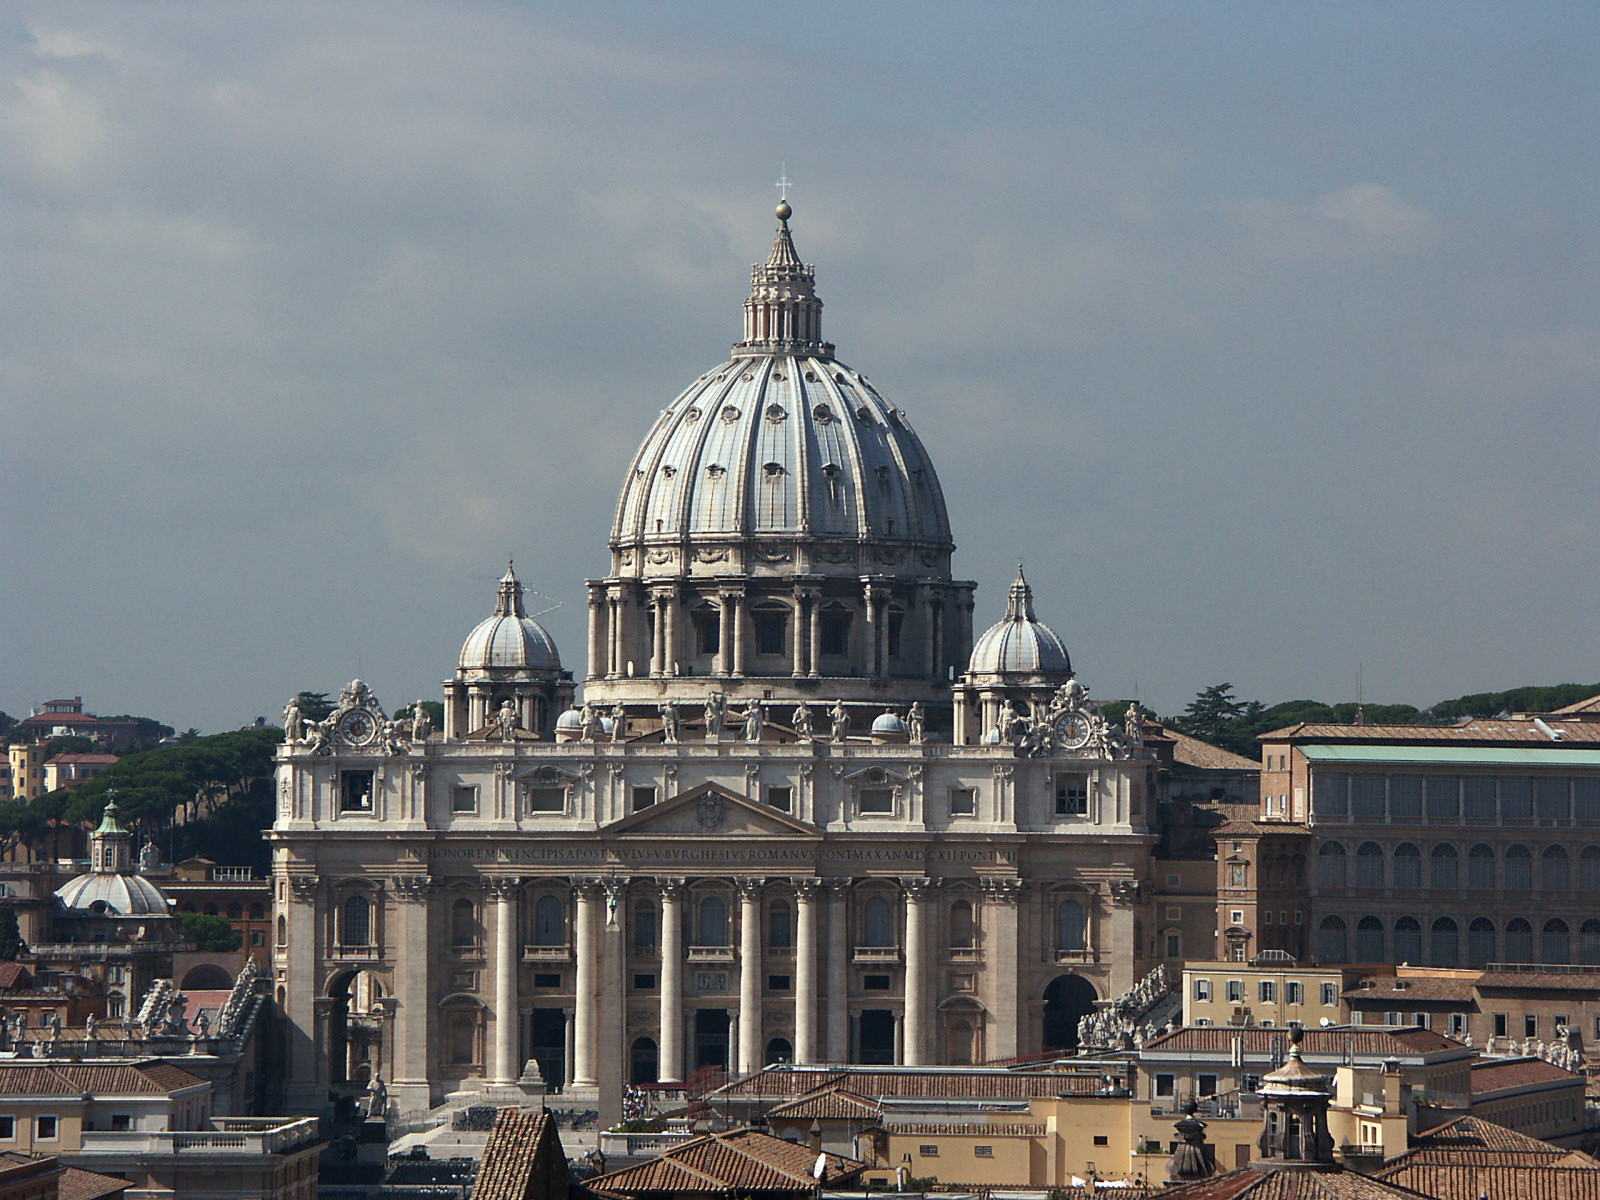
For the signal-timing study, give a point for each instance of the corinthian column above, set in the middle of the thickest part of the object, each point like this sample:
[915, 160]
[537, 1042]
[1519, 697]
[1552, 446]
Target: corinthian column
[671, 1065]
[584, 1072]
[504, 891]
[410, 1060]
[916, 1001]
[805, 972]
[749, 975]
[838, 971]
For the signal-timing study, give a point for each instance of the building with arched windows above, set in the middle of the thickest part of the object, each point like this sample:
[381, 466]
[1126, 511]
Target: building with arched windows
[802, 813]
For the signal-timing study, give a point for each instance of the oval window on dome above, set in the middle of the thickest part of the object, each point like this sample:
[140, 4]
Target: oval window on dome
[864, 414]
[778, 375]
[811, 377]
[822, 414]
[692, 415]
[838, 376]
[730, 414]
[773, 468]
[669, 470]
[716, 470]
[748, 376]
[831, 470]
[775, 413]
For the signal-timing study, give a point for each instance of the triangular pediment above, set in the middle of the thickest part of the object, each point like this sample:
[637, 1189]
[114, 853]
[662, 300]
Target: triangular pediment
[710, 811]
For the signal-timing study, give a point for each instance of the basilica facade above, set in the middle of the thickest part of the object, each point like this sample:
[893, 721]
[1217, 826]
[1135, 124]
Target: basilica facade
[799, 813]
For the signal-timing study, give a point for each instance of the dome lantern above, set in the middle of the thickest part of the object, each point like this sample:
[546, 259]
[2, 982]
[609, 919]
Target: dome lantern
[783, 313]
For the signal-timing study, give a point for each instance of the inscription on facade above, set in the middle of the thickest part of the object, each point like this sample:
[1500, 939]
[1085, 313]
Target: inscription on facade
[711, 854]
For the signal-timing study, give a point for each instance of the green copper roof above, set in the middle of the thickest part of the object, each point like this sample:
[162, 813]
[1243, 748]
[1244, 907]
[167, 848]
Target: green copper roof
[1464, 756]
[109, 823]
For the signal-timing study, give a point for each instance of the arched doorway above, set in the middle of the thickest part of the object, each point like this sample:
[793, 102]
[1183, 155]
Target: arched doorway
[1067, 1000]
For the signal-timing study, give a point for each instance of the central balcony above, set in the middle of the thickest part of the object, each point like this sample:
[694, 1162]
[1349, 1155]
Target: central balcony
[711, 954]
[547, 954]
[877, 955]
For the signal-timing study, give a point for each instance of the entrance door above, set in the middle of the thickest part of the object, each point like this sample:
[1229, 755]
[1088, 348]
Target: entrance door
[711, 1038]
[1067, 1000]
[550, 1046]
[877, 1037]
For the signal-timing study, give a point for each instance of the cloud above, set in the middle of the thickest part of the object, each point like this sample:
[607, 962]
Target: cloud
[1360, 219]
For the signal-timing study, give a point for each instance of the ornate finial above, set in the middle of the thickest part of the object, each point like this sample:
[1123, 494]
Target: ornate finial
[509, 602]
[1019, 603]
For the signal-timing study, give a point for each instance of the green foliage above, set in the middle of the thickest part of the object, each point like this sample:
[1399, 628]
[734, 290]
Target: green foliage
[210, 934]
[314, 706]
[70, 744]
[1212, 715]
[1522, 699]
[11, 944]
[1218, 717]
[232, 834]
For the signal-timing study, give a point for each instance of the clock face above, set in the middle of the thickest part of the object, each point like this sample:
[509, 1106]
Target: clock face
[1073, 731]
[357, 728]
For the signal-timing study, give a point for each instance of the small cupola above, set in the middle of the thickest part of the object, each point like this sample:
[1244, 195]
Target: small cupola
[1294, 1102]
[1192, 1157]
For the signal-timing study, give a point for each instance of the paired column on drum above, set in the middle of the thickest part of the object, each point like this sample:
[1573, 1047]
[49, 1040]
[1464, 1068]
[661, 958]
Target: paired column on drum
[585, 950]
[504, 891]
[750, 1049]
[917, 890]
[671, 1060]
[805, 973]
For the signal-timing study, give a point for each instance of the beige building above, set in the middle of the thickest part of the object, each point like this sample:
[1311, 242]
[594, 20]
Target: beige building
[802, 815]
[1271, 990]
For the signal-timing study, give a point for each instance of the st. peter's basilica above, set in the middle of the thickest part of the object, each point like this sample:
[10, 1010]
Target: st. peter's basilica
[799, 813]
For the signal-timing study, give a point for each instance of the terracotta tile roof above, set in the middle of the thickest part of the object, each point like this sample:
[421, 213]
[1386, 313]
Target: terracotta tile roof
[879, 1085]
[1283, 828]
[13, 975]
[1250, 1184]
[742, 1159]
[1317, 1043]
[1473, 1141]
[1479, 730]
[1496, 1183]
[1391, 987]
[831, 1104]
[154, 1078]
[1559, 981]
[966, 1129]
[1591, 705]
[1192, 752]
[78, 1184]
[512, 1168]
[1503, 1074]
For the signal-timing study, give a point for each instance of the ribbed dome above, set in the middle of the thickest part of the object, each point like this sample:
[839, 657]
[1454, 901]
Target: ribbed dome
[1020, 644]
[510, 638]
[123, 895]
[782, 443]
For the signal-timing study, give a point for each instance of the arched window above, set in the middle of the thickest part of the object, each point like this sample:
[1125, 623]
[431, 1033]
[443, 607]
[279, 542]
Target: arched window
[1331, 940]
[1069, 925]
[463, 923]
[235, 912]
[1519, 868]
[1555, 874]
[1444, 943]
[1408, 940]
[1369, 940]
[1589, 869]
[1480, 942]
[877, 923]
[1557, 942]
[961, 932]
[211, 910]
[642, 1061]
[1369, 865]
[779, 1051]
[1442, 862]
[1407, 866]
[1330, 865]
[1589, 943]
[357, 922]
[780, 927]
[1519, 941]
[1480, 868]
[713, 922]
[257, 911]
[549, 922]
[283, 932]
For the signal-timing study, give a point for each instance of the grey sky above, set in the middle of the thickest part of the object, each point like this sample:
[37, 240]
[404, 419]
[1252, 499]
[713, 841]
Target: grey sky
[1267, 334]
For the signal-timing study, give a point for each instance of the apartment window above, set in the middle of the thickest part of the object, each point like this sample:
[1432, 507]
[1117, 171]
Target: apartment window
[1330, 994]
[1206, 1085]
[1268, 991]
[877, 800]
[355, 791]
[464, 800]
[1294, 993]
[644, 796]
[547, 799]
[781, 798]
[1266, 916]
[1458, 1025]
[1236, 917]
[1530, 1025]
[1202, 989]
[121, 1122]
[928, 1151]
[1235, 990]
[771, 628]
[964, 802]
[983, 1151]
[8, 1129]
[44, 1129]
[1072, 795]
[1501, 1021]
[1101, 1139]
[1174, 946]
[1202, 1022]
[1164, 1085]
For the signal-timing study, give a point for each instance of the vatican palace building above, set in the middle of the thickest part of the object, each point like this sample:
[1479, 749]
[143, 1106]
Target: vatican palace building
[799, 812]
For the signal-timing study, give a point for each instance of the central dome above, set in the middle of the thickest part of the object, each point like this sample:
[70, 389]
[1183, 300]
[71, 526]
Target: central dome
[782, 456]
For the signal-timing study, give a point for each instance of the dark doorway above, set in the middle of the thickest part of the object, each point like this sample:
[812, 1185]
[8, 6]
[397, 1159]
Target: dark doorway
[1067, 1000]
[877, 1037]
[642, 1064]
[711, 1038]
[550, 1046]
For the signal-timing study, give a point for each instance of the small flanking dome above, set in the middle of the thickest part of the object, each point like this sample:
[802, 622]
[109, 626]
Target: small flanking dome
[109, 887]
[509, 638]
[1020, 644]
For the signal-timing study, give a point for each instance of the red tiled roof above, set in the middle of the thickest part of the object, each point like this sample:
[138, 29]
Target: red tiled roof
[1557, 981]
[1496, 1183]
[1502, 1074]
[1289, 1184]
[78, 1184]
[742, 1159]
[1411, 987]
[1326, 1043]
[1481, 730]
[878, 1085]
[1473, 1141]
[13, 975]
[153, 1078]
[1282, 828]
[511, 1159]
[832, 1104]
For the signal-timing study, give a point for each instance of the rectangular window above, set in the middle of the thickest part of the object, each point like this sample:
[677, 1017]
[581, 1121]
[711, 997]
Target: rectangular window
[44, 1129]
[878, 801]
[708, 632]
[964, 802]
[1330, 994]
[1174, 881]
[1202, 989]
[1329, 794]
[781, 798]
[1250, 1084]
[777, 983]
[1101, 1139]
[1458, 1025]
[1266, 916]
[928, 1151]
[770, 631]
[1444, 798]
[1235, 991]
[897, 622]
[1530, 1025]
[355, 791]
[1202, 1021]
[1164, 1085]
[121, 1122]
[1236, 917]
[547, 799]
[1501, 1021]
[547, 979]
[464, 800]
[1405, 797]
[1516, 800]
[1206, 1086]
[983, 1151]
[1174, 946]
[836, 633]
[1072, 795]
[1366, 795]
[644, 796]
[1268, 990]
[875, 983]
[644, 929]
[644, 983]
[8, 1129]
[1294, 992]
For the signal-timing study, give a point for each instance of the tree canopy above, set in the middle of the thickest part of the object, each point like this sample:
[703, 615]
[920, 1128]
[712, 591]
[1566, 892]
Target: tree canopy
[211, 934]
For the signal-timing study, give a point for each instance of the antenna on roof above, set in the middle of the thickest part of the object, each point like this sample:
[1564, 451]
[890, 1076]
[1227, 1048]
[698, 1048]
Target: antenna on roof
[1361, 711]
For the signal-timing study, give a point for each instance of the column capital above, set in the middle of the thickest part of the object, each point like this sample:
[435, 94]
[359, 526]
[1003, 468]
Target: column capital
[303, 888]
[750, 887]
[1002, 890]
[671, 886]
[807, 889]
[588, 887]
[917, 887]
[838, 888]
[502, 887]
[412, 889]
